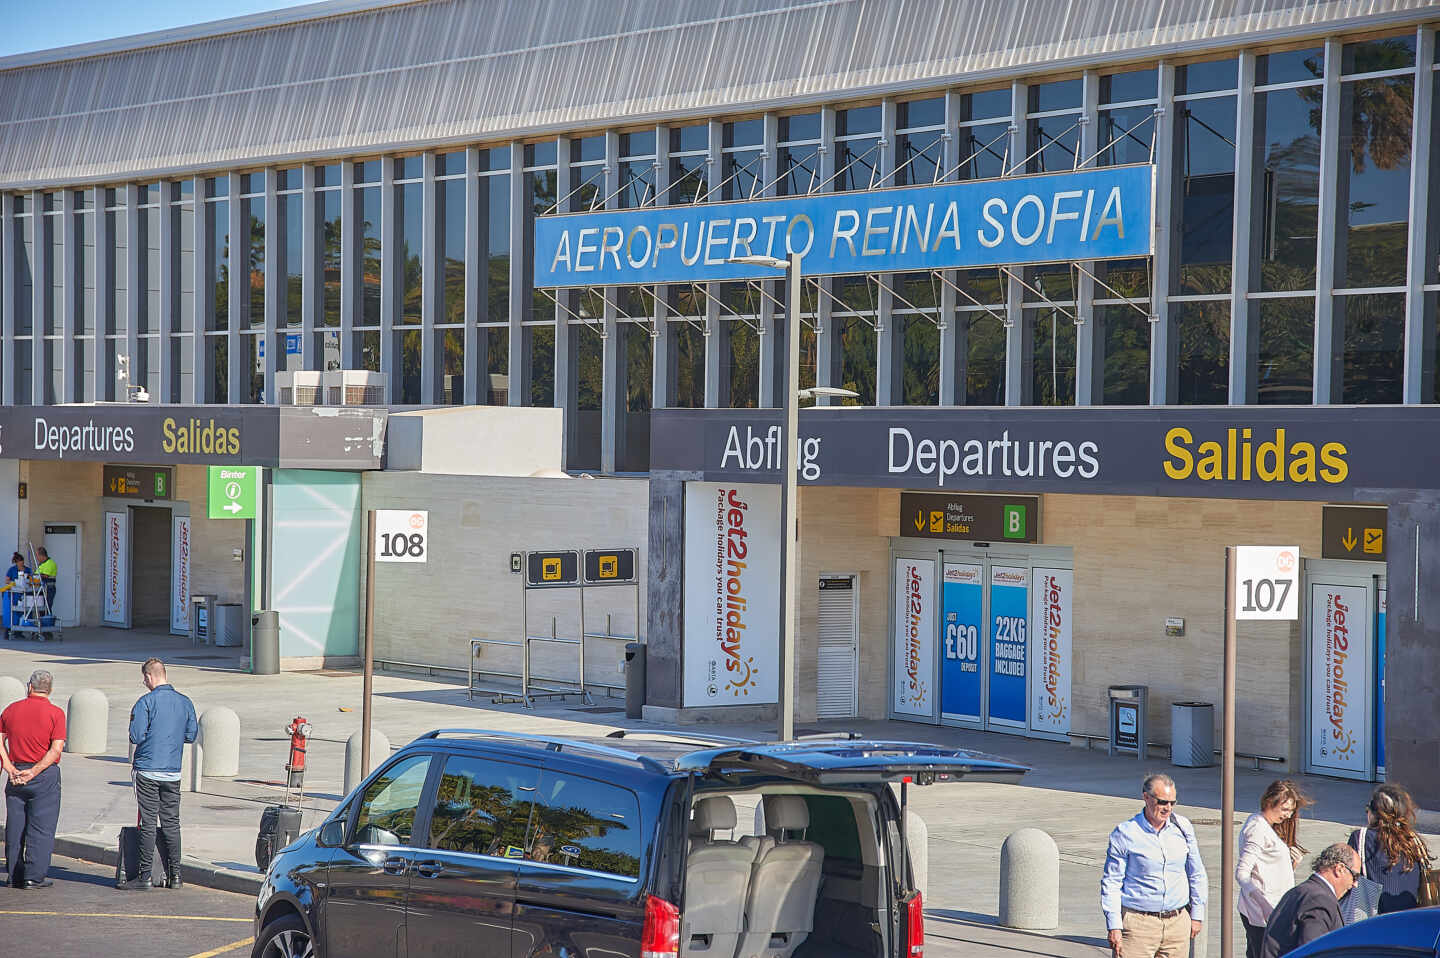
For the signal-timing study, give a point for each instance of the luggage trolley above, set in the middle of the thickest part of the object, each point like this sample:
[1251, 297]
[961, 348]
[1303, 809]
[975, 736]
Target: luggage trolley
[30, 610]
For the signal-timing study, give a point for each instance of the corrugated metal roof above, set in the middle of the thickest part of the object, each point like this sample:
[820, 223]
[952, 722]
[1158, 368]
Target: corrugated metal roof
[399, 75]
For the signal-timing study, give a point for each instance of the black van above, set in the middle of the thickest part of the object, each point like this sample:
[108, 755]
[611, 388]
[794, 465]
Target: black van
[472, 842]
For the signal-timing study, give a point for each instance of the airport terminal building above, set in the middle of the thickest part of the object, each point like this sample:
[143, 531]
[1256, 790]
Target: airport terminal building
[1113, 287]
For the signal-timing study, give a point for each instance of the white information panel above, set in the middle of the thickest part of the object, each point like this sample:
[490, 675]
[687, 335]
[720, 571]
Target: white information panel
[732, 594]
[914, 646]
[1267, 582]
[401, 535]
[1051, 628]
[180, 575]
[1340, 679]
[115, 605]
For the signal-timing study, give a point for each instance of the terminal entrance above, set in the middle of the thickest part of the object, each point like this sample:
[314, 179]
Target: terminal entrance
[981, 638]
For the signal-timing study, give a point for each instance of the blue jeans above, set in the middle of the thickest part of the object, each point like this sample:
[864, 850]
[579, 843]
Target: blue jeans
[32, 811]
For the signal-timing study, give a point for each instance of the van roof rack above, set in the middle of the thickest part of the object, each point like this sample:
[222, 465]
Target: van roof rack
[551, 743]
[681, 737]
[846, 735]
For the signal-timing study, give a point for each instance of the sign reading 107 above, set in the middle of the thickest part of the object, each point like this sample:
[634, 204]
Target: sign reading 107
[1266, 582]
[401, 535]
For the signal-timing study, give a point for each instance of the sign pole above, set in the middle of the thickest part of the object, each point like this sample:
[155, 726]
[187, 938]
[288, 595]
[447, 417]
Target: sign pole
[789, 459]
[1227, 769]
[369, 644]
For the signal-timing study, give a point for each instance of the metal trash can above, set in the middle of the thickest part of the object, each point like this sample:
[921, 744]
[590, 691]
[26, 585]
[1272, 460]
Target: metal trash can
[634, 680]
[226, 627]
[1128, 704]
[1192, 734]
[265, 642]
[202, 618]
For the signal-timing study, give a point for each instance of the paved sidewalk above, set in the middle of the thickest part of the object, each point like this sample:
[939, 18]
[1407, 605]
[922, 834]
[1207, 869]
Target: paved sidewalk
[1074, 794]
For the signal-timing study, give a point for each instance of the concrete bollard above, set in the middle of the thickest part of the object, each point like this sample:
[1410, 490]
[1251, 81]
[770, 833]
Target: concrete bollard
[379, 752]
[917, 839]
[217, 750]
[87, 722]
[1030, 880]
[11, 690]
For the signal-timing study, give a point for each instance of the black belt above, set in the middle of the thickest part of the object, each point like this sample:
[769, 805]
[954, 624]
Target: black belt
[1162, 915]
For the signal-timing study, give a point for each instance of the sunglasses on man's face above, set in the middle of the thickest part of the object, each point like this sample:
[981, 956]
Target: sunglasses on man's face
[1162, 802]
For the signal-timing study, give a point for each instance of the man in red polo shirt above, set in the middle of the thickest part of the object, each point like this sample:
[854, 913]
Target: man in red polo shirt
[32, 736]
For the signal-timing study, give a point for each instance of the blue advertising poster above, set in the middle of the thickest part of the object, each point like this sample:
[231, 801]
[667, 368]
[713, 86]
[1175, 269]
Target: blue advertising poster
[1103, 213]
[1380, 680]
[1009, 628]
[964, 613]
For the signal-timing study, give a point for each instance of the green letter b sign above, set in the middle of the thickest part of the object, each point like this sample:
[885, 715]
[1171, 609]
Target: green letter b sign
[1014, 522]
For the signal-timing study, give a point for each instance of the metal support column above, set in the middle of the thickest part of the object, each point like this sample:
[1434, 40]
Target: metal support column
[7, 298]
[769, 371]
[829, 367]
[204, 286]
[717, 332]
[74, 288]
[432, 275]
[662, 382]
[389, 279]
[477, 366]
[1089, 327]
[954, 330]
[889, 335]
[351, 282]
[312, 272]
[1017, 338]
[518, 361]
[238, 293]
[612, 359]
[1419, 335]
[1244, 317]
[40, 291]
[1329, 325]
[1164, 336]
[277, 295]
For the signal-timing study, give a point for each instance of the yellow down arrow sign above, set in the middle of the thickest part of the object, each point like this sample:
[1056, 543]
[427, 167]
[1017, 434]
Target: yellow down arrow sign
[920, 520]
[1349, 542]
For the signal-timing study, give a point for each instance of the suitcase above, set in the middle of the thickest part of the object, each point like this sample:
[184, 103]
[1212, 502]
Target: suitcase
[127, 861]
[279, 826]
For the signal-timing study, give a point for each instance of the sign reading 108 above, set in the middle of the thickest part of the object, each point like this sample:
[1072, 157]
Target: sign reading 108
[401, 535]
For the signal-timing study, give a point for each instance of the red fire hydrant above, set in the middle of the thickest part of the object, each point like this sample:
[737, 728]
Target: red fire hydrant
[299, 731]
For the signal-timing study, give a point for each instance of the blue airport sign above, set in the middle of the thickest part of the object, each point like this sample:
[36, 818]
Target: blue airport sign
[1105, 213]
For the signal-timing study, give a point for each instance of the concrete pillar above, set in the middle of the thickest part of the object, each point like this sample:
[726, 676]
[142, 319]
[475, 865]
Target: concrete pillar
[11, 690]
[217, 750]
[379, 752]
[1029, 880]
[87, 722]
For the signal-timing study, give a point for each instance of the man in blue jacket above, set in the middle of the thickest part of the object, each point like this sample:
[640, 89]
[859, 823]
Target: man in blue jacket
[161, 722]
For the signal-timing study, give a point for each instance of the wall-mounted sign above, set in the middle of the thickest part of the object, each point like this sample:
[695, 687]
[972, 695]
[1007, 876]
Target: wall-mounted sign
[609, 566]
[1353, 532]
[913, 670]
[233, 492]
[401, 535]
[1103, 213]
[1267, 582]
[138, 482]
[974, 517]
[1341, 679]
[543, 569]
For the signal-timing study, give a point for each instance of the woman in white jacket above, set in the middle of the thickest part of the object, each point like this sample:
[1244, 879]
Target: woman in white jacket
[1269, 853]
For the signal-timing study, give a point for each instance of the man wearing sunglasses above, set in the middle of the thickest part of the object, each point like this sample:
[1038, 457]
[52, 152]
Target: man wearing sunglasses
[1312, 908]
[1153, 889]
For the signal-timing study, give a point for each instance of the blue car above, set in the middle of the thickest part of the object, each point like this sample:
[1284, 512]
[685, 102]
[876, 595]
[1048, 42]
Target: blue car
[1402, 934]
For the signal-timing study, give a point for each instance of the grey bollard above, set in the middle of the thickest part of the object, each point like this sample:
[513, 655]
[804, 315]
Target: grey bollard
[11, 690]
[217, 750]
[379, 752]
[917, 839]
[87, 722]
[1030, 880]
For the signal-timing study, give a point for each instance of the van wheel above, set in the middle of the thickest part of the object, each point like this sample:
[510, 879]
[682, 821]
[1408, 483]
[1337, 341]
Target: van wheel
[284, 937]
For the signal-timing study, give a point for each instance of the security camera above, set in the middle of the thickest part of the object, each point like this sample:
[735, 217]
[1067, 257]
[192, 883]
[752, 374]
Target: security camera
[141, 394]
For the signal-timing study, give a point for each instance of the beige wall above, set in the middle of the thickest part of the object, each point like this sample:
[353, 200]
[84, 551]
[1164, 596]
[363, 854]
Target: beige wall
[70, 492]
[427, 613]
[1137, 560]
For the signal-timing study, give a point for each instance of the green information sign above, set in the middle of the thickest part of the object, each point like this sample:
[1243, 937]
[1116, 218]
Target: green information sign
[233, 492]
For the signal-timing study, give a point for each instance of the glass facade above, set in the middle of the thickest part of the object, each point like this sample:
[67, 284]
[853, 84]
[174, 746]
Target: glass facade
[1304, 159]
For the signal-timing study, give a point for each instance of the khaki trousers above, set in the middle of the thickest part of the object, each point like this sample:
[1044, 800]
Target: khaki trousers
[1145, 936]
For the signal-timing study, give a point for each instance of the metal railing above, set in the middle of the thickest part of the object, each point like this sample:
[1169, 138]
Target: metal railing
[531, 686]
[1091, 738]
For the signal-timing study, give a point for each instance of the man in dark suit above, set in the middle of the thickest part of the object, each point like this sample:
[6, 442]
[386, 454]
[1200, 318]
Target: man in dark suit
[1312, 908]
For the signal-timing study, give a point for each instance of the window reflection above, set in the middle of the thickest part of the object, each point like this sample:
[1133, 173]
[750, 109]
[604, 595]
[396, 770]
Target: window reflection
[1202, 372]
[1374, 347]
[1125, 341]
[1206, 177]
[1374, 168]
[1052, 371]
[1285, 367]
[1289, 181]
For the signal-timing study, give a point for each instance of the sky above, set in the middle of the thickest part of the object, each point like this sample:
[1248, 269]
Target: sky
[45, 24]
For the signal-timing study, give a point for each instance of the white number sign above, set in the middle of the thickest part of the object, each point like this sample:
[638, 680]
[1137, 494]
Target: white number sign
[1267, 582]
[401, 535]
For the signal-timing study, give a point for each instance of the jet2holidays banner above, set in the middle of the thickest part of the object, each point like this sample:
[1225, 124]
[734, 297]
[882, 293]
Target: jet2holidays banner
[1105, 213]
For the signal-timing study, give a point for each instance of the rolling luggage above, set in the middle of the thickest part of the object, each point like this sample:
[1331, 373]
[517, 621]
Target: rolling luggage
[279, 826]
[127, 862]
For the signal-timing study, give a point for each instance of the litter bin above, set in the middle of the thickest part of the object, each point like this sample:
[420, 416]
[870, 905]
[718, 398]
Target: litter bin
[1127, 718]
[1192, 734]
[226, 625]
[202, 618]
[634, 680]
[265, 643]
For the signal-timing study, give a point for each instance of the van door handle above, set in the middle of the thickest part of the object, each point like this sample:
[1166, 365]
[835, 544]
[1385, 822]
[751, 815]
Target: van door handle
[394, 866]
[429, 869]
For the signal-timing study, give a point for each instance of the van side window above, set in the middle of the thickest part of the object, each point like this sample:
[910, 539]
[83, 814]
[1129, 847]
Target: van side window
[482, 807]
[582, 823]
[387, 809]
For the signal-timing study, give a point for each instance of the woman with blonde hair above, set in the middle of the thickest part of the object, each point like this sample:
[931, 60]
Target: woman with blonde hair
[1269, 852]
[1390, 850]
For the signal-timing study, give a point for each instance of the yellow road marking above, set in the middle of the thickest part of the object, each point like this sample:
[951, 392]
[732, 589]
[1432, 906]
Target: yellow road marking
[225, 949]
[89, 914]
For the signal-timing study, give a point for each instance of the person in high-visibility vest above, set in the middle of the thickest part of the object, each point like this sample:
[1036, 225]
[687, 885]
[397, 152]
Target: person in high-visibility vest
[48, 571]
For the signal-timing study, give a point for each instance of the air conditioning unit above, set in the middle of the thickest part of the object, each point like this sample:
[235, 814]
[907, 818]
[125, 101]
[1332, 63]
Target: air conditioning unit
[300, 387]
[354, 387]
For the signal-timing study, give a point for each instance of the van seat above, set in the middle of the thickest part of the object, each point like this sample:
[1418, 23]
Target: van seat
[784, 884]
[717, 879]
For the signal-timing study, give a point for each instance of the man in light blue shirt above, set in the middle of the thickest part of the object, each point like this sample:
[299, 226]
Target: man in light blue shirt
[1153, 889]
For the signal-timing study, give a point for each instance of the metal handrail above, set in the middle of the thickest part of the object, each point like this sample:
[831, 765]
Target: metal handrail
[529, 688]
